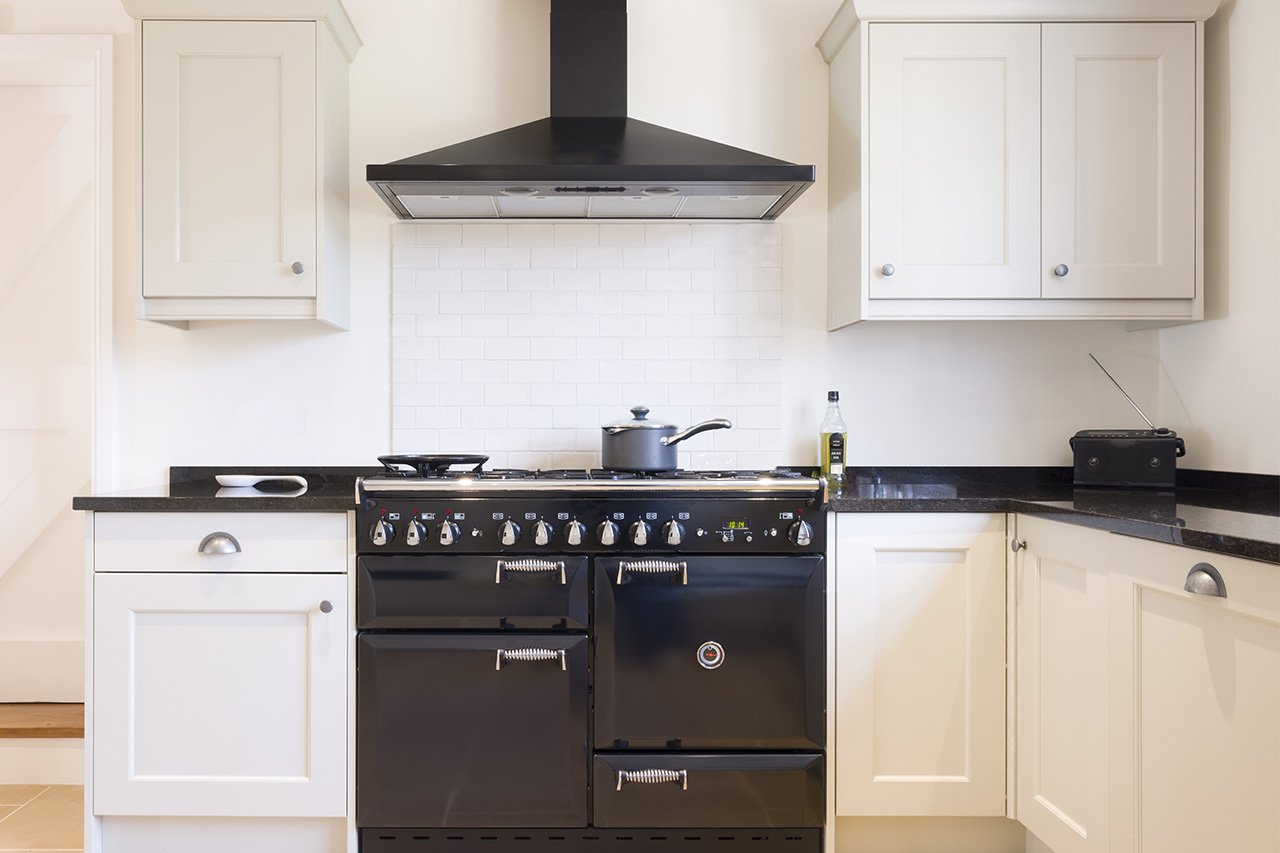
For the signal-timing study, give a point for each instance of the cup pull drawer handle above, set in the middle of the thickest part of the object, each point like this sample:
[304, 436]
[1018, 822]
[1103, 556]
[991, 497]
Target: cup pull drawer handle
[219, 543]
[1204, 579]
[654, 777]
[531, 655]
[654, 567]
[529, 566]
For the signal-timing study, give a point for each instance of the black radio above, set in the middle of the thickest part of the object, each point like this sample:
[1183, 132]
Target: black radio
[1126, 457]
[1143, 458]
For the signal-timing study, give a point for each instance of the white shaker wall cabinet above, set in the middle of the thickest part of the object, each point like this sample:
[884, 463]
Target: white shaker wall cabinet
[243, 164]
[920, 664]
[1031, 168]
[1195, 701]
[1060, 578]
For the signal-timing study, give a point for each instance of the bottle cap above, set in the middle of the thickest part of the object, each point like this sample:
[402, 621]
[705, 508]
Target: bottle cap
[833, 396]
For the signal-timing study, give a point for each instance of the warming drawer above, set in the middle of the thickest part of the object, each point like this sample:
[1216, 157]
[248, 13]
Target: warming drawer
[708, 790]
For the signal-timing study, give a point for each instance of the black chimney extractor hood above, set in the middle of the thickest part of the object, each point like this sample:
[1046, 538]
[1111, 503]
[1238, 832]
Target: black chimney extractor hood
[588, 159]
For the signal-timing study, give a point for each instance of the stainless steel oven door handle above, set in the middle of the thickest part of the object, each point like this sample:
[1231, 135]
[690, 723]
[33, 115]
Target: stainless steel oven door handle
[529, 565]
[531, 655]
[654, 567]
[654, 777]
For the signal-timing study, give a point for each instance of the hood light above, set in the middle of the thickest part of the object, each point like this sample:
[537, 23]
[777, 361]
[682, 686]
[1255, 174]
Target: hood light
[661, 191]
[520, 191]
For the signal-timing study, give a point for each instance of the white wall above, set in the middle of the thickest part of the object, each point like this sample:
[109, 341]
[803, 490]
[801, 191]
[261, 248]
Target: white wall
[433, 72]
[1221, 388]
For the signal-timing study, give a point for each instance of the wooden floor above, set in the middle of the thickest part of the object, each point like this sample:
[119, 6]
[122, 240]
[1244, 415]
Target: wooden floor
[42, 720]
[41, 818]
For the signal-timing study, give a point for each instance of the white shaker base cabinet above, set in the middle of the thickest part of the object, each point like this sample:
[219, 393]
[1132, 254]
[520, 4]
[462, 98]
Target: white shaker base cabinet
[1195, 703]
[920, 664]
[220, 694]
[1060, 579]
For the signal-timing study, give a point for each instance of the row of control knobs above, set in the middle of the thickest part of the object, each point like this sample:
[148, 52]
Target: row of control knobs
[575, 532]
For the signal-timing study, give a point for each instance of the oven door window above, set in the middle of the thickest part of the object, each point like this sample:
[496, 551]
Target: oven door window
[472, 730]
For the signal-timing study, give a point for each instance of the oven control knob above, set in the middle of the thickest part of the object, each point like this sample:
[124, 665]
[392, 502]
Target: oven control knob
[508, 532]
[415, 533]
[542, 533]
[640, 533]
[673, 532]
[800, 533]
[382, 532]
[607, 533]
[448, 533]
[574, 532]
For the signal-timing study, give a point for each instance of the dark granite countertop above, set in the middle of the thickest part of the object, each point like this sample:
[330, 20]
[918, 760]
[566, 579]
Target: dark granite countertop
[1236, 514]
[194, 489]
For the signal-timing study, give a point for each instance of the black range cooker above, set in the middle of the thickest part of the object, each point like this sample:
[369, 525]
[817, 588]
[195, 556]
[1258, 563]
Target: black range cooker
[582, 660]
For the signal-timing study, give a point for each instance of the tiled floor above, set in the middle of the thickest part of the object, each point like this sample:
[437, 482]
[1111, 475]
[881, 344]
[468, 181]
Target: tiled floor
[41, 818]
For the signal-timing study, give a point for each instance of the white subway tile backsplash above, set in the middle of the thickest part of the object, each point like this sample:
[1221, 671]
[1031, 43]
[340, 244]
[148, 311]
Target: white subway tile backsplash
[435, 233]
[519, 339]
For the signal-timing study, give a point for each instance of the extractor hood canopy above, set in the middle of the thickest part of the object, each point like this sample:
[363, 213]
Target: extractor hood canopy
[588, 160]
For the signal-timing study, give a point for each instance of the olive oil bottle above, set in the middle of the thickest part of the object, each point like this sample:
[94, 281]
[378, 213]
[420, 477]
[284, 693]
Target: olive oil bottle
[833, 436]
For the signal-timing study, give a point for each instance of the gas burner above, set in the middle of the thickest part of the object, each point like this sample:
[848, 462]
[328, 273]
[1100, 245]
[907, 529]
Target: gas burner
[607, 474]
[430, 465]
[564, 474]
[499, 474]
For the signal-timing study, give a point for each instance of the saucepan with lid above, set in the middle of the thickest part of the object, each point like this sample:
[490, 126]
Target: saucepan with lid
[642, 445]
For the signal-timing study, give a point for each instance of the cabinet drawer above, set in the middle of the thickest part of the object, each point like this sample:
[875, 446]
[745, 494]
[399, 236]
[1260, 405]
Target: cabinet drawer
[708, 790]
[279, 542]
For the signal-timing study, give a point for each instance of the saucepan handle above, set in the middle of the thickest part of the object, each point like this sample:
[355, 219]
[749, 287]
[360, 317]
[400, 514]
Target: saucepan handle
[714, 423]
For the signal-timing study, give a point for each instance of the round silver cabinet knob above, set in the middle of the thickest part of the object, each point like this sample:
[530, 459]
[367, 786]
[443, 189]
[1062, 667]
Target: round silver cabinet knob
[574, 532]
[297, 267]
[1061, 270]
[326, 606]
[448, 533]
[607, 533]
[542, 532]
[640, 533]
[888, 270]
[508, 532]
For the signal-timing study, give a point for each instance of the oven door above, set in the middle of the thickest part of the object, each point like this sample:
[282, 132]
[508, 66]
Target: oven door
[471, 730]
[710, 653]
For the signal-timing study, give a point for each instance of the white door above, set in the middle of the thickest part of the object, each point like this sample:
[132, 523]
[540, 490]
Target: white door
[954, 156]
[229, 176]
[920, 677]
[1061, 578]
[55, 316]
[220, 694]
[1119, 161]
[1195, 703]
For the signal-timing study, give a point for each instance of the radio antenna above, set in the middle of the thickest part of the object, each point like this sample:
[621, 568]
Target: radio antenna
[1122, 391]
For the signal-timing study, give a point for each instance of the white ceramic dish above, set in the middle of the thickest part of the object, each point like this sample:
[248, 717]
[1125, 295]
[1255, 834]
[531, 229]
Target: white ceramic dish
[248, 481]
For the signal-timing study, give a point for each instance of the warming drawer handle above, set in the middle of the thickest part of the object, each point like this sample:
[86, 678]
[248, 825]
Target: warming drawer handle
[529, 565]
[654, 777]
[531, 655]
[654, 567]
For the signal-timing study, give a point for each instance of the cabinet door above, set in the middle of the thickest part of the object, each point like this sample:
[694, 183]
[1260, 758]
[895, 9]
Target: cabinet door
[1119, 161]
[229, 176]
[954, 200]
[1195, 703]
[1061, 612]
[920, 678]
[219, 694]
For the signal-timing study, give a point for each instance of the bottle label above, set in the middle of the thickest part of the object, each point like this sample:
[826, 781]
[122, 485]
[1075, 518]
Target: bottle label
[835, 450]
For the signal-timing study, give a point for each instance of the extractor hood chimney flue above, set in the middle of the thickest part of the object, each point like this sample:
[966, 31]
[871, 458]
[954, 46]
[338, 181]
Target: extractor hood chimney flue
[588, 159]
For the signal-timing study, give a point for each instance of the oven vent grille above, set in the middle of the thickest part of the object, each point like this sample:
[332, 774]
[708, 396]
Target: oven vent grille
[663, 840]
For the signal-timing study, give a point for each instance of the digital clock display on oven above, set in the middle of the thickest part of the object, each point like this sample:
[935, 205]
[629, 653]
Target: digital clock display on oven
[734, 524]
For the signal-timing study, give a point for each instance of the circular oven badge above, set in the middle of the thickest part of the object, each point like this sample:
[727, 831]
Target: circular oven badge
[710, 655]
